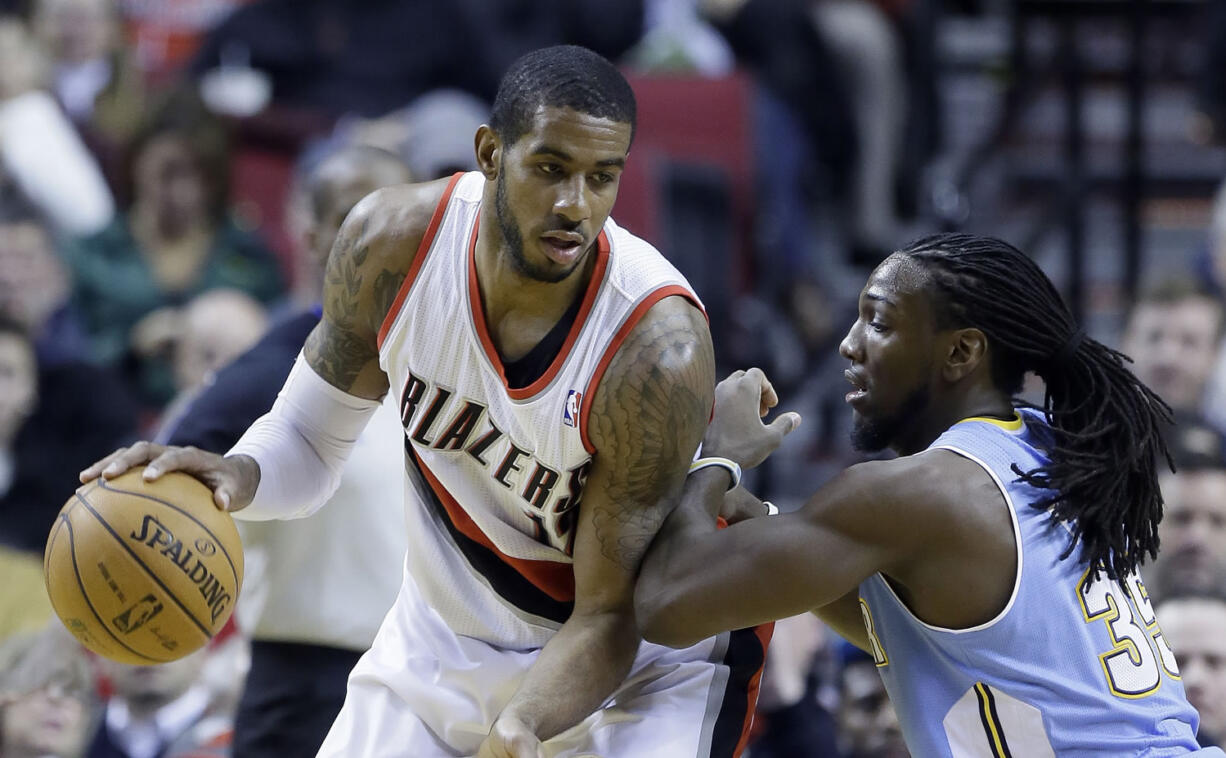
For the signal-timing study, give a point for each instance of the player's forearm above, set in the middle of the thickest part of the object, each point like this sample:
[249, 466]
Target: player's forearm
[665, 566]
[576, 671]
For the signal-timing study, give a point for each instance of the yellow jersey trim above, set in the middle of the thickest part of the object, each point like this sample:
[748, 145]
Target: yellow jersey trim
[1014, 425]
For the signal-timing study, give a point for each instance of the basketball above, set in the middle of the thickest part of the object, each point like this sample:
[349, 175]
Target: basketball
[143, 572]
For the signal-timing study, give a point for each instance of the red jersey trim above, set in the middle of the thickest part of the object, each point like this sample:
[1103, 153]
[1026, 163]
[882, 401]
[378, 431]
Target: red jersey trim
[427, 241]
[555, 578]
[487, 343]
[615, 344]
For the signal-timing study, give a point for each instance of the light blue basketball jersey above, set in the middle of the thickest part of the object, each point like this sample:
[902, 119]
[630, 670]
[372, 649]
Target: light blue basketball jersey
[1070, 667]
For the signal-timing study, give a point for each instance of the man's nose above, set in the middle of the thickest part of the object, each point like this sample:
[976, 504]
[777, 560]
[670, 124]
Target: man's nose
[571, 202]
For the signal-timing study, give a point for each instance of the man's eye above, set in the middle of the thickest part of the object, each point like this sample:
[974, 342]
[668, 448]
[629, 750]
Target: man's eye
[877, 326]
[549, 168]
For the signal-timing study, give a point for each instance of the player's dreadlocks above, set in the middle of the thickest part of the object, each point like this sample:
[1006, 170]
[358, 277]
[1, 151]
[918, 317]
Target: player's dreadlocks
[1106, 424]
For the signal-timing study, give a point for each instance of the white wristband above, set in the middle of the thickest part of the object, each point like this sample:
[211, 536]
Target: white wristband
[732, 467]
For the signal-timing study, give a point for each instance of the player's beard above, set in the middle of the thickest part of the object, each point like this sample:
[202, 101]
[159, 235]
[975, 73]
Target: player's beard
[876, 433]
[513, 239]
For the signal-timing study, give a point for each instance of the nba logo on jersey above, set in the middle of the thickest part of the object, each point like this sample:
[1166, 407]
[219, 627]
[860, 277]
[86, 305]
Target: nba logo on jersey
[570, 414]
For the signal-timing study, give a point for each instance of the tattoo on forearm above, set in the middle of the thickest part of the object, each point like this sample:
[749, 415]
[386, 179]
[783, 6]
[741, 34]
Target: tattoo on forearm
[650, 424]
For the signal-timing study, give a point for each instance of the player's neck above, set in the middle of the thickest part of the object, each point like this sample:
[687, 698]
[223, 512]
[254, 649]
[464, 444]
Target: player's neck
[505, 289]
[519, 310]
[944, 412]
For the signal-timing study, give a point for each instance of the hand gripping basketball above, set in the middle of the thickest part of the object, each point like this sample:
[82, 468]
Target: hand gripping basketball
[232, 479]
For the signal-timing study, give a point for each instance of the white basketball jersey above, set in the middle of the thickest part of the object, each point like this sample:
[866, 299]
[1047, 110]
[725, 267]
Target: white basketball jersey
[495, 474]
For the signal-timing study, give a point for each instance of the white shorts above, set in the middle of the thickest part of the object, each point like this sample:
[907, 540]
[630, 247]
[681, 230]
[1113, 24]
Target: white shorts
[422, 691]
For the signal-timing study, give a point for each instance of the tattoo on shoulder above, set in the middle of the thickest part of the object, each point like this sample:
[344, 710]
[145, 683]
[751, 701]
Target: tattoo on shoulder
[343, 343]
[649, 421]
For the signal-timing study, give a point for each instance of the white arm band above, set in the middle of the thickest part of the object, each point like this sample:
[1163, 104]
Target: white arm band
[301, 445]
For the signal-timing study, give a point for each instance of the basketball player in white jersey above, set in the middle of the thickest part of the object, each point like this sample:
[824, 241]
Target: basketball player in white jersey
[540, 356]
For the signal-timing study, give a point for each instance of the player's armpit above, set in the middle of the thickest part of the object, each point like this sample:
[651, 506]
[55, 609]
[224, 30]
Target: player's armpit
[846, 618]
[370, 258]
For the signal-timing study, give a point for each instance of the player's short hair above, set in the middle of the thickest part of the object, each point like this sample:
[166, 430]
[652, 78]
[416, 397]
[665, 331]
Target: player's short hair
[564, 76]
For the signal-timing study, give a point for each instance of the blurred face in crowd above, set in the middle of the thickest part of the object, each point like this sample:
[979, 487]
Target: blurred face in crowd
[218, 326]
[1174, 347]
[556, 186]
[148, 688]
[170, 184]
[1193, 627]
[1193, 531]
[338, 184]
[33, 281]
[50, 721]
[868, 725]
[18, 384]
[76, 31]
[47, 692]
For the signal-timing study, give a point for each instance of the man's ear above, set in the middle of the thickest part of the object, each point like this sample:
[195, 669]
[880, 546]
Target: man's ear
[966, 351]
[489, 151]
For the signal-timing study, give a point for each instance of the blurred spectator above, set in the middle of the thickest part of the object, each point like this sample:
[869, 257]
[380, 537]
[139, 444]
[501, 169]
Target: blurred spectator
[24, 605]
[54, 421]
[779, 42]
[165, 34]
[175, 241]
[369, 58]
[1192, 625]
[161, 711]
[39, 149]
[322, 601]
[868, 725]
[789, 718]
[1211, 90]
[46, 695]
[1192, 557]
[867, 49]
[1172, 335]
[209, 332]
[92, 75]
[218, 326]
[35, 289]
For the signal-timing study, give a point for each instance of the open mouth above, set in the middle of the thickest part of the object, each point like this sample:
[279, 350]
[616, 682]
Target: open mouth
[858, 384]
[562, 247]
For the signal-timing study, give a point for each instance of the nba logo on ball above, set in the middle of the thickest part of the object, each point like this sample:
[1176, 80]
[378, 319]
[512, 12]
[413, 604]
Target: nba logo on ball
[570, 414]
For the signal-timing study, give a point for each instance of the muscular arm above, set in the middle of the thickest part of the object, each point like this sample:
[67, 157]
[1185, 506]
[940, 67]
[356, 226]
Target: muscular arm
[647, 417]
[367, 264]
[699, 581]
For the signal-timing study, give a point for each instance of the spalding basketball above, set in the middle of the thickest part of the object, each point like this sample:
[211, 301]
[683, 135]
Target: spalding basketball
[143, 572]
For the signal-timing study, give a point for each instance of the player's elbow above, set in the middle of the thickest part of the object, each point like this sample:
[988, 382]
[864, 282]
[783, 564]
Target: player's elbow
[660, 621]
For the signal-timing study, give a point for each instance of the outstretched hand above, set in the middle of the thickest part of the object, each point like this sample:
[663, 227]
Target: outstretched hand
[736, 430]
[233, 479]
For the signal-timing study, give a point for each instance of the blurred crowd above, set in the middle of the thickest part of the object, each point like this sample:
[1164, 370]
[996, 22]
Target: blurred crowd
[169, 189]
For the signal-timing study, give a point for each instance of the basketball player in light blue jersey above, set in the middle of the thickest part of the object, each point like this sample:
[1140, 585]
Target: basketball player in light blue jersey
[991, 569]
